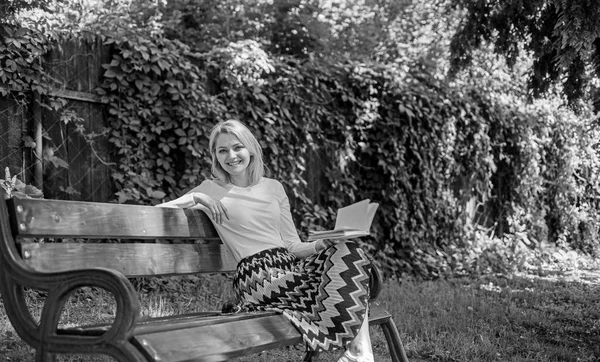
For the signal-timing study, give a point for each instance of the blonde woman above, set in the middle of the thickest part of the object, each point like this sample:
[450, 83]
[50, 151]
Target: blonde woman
[321, 287]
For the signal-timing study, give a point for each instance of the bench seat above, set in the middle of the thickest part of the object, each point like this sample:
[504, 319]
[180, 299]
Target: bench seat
[213, 336]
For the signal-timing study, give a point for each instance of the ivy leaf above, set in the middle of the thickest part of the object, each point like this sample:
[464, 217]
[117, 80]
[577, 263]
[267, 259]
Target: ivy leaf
[124, 196]
[69, 190]
[56, 161]
[28, 142]
[33, 191]
[157, 194]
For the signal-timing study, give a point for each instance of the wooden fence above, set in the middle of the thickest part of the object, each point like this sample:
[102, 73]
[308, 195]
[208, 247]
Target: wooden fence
[78, 68]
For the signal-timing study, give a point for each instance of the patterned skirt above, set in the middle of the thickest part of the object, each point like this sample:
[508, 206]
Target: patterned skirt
[324, 295]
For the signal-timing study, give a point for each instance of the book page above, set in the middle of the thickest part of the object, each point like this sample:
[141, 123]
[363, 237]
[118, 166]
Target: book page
[336, 234]
[371, 214]
[351, 221]
[354, 217]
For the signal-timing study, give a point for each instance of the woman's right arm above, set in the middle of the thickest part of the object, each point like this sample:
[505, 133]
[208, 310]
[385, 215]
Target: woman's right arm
[189, 199]
[182, 202]
[212, 207]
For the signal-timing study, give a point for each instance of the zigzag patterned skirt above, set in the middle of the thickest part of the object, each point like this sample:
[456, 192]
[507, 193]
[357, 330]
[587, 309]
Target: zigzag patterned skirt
[324, 295]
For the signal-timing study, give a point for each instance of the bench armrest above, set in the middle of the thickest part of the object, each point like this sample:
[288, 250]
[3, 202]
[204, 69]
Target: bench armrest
[127, 303]
[59, 286]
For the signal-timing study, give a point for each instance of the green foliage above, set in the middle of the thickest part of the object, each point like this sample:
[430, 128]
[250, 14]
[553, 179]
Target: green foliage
[298, 28]
[13, 187]
[23, 79]
[158, 115]
[10, 8]
[20, 68]
[562, 36]
[204, 25]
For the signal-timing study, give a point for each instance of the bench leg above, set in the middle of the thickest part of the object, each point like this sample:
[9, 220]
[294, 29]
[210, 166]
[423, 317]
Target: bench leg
[310, 356]
[41, 356]
[392, 336]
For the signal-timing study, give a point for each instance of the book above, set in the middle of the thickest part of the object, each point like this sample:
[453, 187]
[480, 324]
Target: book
[350, 222]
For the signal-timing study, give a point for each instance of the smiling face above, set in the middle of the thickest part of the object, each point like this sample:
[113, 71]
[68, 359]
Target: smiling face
[233, 157]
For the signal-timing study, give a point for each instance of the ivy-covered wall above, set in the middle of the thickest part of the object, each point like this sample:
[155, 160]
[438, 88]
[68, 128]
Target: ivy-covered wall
[421, 148]
[335, 133]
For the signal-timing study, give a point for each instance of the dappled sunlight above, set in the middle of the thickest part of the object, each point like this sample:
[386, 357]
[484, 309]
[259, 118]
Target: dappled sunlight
[560, 265]
[247, 62]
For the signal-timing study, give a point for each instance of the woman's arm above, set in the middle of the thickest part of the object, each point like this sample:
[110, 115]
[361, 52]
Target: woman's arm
[288, 231]
[182, 202]
[200, 198]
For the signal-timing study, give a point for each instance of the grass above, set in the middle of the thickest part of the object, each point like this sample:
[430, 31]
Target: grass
[543, 317]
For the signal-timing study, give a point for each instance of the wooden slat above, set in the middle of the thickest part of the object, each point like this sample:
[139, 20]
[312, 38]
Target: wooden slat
[377, 315]
[221, 341]
[12, 119]
[101, 188]
[58, 218]
[211, 336]
[133, 260]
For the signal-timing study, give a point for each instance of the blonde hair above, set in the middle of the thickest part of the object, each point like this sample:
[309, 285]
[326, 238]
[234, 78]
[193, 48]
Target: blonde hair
[256, 167]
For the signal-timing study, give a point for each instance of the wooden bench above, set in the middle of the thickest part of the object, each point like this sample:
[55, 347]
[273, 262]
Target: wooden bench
[62, 268]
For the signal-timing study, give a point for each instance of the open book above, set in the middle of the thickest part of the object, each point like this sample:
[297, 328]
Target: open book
[351, 221]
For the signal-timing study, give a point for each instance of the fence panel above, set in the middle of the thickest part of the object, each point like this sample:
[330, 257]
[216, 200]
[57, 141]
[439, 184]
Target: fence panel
[78, 65]
[13, 119]
[74, 134]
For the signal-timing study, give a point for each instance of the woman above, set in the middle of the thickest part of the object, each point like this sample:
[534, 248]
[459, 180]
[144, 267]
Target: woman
[321, 286]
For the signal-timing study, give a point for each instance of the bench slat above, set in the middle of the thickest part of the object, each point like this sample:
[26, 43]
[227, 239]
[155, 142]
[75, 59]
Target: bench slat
[217, 339]
[60, 218]
[377, 315]
[220, 342]
[133, 260]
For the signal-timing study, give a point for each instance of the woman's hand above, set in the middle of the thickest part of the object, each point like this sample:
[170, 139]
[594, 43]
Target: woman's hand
[323, 244]
[216, 208]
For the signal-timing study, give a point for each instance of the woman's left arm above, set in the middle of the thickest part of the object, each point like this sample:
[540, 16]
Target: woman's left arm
[288, 231]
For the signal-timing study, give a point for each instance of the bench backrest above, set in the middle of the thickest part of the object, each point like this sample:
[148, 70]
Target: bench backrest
[138, 240]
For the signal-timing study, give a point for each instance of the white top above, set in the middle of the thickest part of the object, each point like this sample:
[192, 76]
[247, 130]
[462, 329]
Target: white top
[259, 217]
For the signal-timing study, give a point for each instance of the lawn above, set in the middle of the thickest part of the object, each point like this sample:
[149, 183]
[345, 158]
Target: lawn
[526, 317]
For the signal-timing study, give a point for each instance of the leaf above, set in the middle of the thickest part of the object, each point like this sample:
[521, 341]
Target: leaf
[33, 191]
[110, 74]
[157, 194]
[56, 161]
[124, 196]
[69, 190]
[139, 84]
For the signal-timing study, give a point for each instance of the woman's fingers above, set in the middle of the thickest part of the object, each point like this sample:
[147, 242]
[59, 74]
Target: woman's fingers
[218, 210]
[331, 242]
[215, 214]
[224, 210]
[326, 243]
